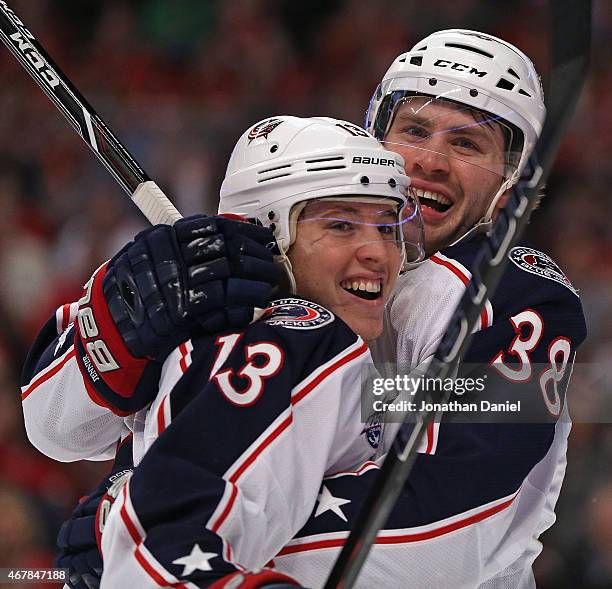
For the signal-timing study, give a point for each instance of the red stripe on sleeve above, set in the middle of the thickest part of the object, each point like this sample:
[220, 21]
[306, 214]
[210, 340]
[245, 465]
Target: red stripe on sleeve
[154, 574]
[267, 441]
[183, 360]
[403, 538]
[131, 528]
[47, 375]
[430, 437]
[465, 279]
[137, 539]
[161, 422]
[228, 507]
[297, 397]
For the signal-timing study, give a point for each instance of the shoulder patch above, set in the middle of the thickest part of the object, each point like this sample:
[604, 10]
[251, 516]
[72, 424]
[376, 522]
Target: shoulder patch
[538, 263]
[297, 314]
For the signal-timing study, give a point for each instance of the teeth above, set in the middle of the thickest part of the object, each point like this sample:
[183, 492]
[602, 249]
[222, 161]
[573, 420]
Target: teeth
[433, 196]
[365, 285]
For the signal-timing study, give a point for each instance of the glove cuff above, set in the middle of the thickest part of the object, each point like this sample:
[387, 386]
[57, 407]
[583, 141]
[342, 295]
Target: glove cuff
[113, 377]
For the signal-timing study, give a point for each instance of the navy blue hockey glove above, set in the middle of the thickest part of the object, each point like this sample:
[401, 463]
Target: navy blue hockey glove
[201, 275]
[79, 537]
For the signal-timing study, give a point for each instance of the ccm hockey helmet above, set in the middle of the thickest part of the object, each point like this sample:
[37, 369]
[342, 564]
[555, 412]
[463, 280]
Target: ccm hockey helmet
[281, 163]
[475, 69]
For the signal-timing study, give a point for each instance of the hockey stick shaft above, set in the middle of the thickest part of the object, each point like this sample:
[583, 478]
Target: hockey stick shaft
[147, 196]
[571, 46]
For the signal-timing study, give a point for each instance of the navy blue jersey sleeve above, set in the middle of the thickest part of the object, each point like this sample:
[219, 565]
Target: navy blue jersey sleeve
[245, 437]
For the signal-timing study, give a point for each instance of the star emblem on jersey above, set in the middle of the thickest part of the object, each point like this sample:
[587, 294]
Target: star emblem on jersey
[196, 560]
[538, 263]
[327, 502]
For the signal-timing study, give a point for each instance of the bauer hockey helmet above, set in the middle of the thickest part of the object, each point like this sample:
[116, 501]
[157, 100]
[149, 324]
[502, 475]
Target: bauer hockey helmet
[281, 163]
[478, 70]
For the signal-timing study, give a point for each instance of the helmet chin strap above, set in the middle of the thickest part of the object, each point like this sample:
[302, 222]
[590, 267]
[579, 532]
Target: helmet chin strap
[285, 264]
[486, 221]
[282, 259]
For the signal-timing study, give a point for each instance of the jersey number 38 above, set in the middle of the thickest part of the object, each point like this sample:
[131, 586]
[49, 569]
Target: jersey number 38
[559, 352]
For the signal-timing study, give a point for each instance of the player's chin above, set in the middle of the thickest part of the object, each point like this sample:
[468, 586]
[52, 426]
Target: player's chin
[367, 325]
[370, 329]
[363, 315]
[438, 237]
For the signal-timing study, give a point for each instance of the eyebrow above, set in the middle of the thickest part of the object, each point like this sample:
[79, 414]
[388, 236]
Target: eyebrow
[475, 130]
[414, 117]
[349, 209]
[471, 128]
[335, 212]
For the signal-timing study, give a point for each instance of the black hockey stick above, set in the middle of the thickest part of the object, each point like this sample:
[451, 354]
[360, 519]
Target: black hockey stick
[147, 196]
[571, 36]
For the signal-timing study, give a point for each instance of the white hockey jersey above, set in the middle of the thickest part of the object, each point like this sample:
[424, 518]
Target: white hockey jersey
[479, 495]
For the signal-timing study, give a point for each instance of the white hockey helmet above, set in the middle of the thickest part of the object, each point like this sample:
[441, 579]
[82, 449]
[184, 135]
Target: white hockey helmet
[474, 69]
[286, 161]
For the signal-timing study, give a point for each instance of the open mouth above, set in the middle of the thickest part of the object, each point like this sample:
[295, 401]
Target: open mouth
[433, 200]
[370, 290]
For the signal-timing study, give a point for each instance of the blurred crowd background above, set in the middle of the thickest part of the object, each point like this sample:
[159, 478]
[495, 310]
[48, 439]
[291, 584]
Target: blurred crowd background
[178, 82]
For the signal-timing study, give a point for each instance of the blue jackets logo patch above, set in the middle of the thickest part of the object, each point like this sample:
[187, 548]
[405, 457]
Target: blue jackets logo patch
[373, 434]
[538, 263]
[297, 314]
[263, 129]
[373, 430]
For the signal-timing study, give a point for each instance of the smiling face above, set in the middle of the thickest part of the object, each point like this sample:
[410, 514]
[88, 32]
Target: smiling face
[347, 258]
[455, 157]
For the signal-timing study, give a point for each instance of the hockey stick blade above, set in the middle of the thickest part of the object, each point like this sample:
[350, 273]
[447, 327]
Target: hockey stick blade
[108, 149]
[571, 32]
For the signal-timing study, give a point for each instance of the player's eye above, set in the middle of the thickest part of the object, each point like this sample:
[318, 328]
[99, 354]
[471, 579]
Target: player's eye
[467, 144]
[341, 226]
[387, 229]
[416, 133]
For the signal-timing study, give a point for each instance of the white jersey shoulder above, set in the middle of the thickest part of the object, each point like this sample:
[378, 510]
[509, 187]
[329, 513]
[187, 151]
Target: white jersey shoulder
[416, 317]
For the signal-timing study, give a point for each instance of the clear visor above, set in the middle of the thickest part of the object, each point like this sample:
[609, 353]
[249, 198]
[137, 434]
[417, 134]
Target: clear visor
[347, 252]
[361, 221]
[434, 126]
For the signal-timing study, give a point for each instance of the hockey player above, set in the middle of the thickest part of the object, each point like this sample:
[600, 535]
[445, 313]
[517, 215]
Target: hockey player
[464, 108]
[287, 387]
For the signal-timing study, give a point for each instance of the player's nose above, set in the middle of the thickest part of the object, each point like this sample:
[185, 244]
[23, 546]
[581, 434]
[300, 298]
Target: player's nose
[430, 160]
[373, 248]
